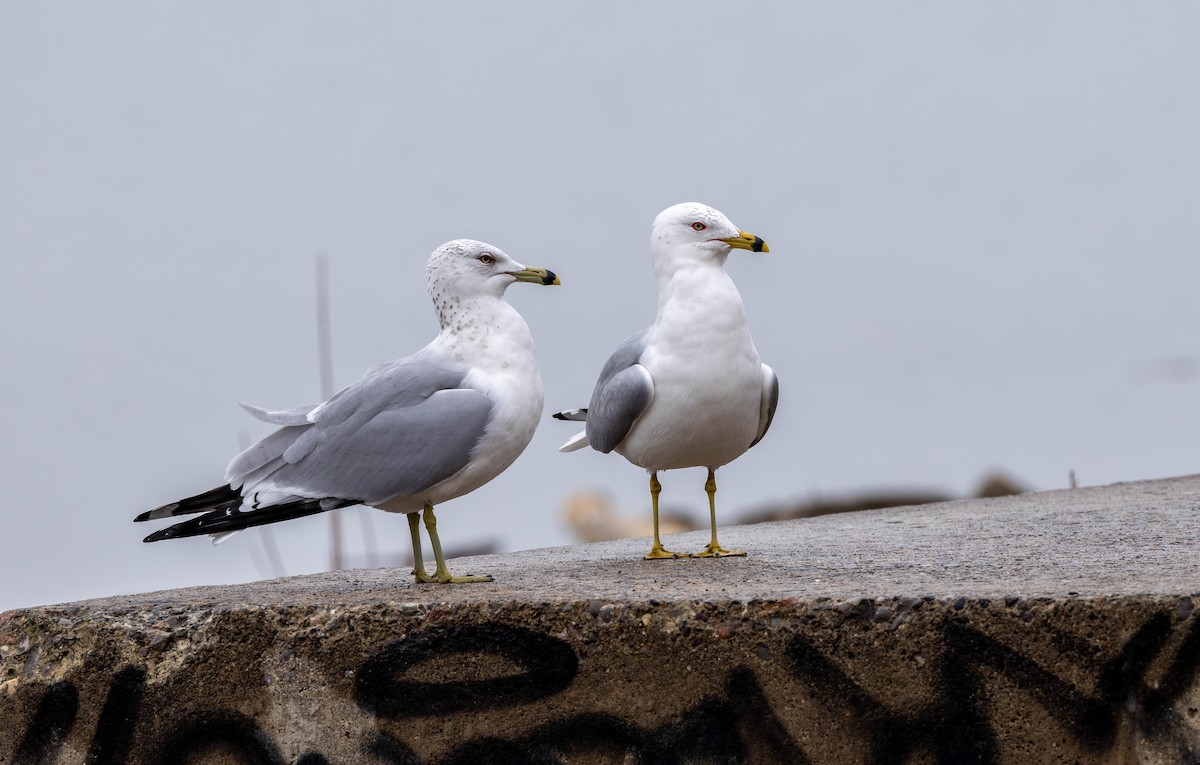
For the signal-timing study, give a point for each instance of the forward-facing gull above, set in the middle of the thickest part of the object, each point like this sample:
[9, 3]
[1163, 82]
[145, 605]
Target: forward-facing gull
[688, 391]
[412, 433]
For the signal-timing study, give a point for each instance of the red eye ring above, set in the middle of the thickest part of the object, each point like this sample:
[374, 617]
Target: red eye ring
[699, 226]
[486, 259]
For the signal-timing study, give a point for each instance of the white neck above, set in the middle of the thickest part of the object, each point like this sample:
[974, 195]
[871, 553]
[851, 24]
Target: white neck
[691, 289]
[481, 327]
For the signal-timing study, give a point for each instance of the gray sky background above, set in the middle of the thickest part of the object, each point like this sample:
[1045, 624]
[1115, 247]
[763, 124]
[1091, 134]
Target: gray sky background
[984, 222]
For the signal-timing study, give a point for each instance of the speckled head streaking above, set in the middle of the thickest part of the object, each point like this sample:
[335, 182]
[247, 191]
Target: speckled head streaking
[411, 434]
[467, 268]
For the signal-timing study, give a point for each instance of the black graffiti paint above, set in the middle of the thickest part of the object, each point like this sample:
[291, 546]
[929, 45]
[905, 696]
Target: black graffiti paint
[550, 665]
[1123, 684]
[391, 752]
[231, 732]
[52, 721]
[735, 723]
[736, 726]
[766, 736]
[705, 733]
[114, 729]
[955, 727]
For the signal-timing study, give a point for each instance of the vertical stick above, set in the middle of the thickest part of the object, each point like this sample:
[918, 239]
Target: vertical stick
[324, 336]
[325, 361]
[368, 536]
[274, 561]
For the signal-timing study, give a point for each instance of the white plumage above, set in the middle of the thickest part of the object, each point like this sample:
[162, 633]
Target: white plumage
[690, 390]
[412, 433]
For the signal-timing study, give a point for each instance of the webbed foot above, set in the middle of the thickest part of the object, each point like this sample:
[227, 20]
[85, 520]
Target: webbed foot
[658, 552]
[448, 578]
[716, 551]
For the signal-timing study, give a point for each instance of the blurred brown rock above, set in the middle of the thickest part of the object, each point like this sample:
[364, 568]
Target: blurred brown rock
[591, 517]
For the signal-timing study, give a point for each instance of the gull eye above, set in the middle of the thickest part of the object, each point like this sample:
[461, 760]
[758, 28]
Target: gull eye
[699, 226]
[486, 259]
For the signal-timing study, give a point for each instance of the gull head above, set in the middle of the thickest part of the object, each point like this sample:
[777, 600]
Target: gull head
[464, 268]
[692, 231]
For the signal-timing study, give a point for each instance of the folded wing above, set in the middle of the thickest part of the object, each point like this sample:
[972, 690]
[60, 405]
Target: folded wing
[770, 399]
[395, 433]
[623, 392]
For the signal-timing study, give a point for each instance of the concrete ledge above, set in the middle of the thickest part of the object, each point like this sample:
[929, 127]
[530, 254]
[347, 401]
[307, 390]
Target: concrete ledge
[1053, 627]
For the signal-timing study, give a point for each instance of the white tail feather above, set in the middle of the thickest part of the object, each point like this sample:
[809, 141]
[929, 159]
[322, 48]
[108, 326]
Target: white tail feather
[577, 441]
[221, 536]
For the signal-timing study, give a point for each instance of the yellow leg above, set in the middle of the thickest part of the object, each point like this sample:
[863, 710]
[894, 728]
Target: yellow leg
[714, 549]
[442, 572]
[657, 551]
[414, 519]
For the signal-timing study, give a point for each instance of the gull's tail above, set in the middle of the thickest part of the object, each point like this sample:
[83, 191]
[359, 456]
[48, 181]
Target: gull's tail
[579, 440]
[222, 514]
[576, 442]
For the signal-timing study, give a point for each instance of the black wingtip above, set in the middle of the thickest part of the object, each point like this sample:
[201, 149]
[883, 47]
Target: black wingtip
[571, 415]
[165, 509]
[218, 498]
[230, 518]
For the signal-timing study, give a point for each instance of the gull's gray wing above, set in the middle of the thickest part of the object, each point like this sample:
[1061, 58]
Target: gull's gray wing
[396, 451]
[394, 433]
[622, 393]
[770, 399]
[297, 416]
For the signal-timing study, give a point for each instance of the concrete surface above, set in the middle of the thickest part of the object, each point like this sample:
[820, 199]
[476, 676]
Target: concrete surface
[1051, 627]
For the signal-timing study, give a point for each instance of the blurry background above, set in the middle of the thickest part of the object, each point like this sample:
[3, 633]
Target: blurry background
[984, 222]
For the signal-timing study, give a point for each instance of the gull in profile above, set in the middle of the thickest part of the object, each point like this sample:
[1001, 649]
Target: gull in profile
[411, 433]
[690, 390]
